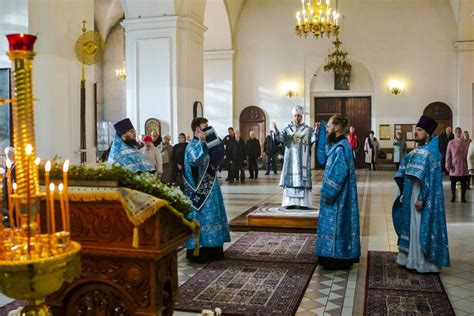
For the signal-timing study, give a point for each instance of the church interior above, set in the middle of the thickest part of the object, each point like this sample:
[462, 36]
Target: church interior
[87, 229]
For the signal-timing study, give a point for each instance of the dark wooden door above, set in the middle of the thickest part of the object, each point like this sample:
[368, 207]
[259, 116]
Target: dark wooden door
[441, 113]
[357, 109]
[254, 119]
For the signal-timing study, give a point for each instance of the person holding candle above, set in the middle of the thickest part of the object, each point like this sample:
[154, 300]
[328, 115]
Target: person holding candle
[125, 149]
[9, 169]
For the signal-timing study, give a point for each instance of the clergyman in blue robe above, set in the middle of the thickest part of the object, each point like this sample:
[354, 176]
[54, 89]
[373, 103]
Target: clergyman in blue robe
[338, 236]
[124, 149]
[202, 188]
[298, 138]
[418, 212]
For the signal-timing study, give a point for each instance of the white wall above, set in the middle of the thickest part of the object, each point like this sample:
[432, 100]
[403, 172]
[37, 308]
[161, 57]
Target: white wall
[218, 67]
[13, 19]
[57, 76]
[113, 88]
[218, 90]
[413, 43]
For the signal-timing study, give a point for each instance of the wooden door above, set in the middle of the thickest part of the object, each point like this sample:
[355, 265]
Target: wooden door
[254, 119]
[356, 109]
[441, 113]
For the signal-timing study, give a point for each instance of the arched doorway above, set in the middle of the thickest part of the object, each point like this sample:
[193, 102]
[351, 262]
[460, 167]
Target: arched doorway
[442, 113]
[254, 119]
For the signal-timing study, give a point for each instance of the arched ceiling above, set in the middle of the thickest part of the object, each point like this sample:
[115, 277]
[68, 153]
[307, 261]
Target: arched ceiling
[107, 13]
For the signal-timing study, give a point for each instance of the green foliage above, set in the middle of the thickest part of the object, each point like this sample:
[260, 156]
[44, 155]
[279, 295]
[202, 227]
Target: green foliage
[145, 182]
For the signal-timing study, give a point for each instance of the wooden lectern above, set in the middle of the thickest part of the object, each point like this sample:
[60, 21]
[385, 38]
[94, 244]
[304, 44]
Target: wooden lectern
[116, 278]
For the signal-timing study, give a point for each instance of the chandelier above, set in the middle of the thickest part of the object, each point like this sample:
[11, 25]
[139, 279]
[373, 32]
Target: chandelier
[317, 17]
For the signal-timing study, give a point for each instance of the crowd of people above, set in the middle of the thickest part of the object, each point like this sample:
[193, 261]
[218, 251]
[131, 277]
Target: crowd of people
[418, 212]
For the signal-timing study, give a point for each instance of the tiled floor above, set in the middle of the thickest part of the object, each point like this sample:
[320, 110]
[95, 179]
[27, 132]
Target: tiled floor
[342, 292]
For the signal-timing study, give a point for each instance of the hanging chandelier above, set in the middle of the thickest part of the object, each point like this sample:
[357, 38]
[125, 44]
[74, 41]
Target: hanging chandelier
[317, 17]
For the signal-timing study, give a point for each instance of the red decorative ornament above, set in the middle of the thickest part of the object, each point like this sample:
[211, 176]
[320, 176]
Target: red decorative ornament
[21, 41]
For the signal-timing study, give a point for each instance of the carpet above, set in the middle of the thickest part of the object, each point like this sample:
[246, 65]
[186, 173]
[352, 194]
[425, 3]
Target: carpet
[240, 223]
[246, 287]
[394, 290]
[274, 247]
[5, 309]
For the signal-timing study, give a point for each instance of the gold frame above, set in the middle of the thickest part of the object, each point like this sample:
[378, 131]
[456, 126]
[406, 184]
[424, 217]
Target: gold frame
[384, 132]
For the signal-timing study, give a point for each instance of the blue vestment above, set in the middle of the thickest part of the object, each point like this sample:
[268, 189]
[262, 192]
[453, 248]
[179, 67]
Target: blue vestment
[205, 194]
[338, 224]
[128, 157]
[422, 165]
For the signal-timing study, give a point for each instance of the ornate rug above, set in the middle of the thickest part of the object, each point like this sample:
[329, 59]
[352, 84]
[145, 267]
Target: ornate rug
[5, 309]
[393, 290]
[274, 247]
[246, 287]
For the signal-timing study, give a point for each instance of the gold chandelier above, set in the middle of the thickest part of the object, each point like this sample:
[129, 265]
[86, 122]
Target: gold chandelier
[317, 17]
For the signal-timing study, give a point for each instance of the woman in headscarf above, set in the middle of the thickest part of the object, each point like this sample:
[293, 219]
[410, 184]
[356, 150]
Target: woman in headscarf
[370, 147]
[167, 153]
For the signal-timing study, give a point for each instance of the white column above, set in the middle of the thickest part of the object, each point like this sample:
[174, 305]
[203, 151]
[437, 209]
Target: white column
[57, 77]
[164, 71]
[465, 91]
[218, 84]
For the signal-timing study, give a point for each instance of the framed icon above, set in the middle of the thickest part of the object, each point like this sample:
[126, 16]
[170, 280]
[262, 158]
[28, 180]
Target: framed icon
[151, 124]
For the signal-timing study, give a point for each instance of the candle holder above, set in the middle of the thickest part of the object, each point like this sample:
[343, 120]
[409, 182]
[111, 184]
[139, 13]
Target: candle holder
[33, 264]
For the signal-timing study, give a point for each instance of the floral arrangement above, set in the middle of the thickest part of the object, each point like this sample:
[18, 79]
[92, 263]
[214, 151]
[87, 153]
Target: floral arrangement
[338, 60]
[144, 182]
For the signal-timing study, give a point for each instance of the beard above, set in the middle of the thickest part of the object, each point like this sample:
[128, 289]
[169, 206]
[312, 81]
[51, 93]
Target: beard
[331, 138]
[132, 143]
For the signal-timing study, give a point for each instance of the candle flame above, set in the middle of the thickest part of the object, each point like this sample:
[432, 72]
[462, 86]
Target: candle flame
[28, 149]
[8, 163]
[51, 187]
[66, 165]
[60, 187]
[37, 161]
[22, 35]
[47, 166]
[14, 186]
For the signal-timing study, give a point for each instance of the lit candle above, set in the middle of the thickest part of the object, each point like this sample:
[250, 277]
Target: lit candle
[51, 205]
[28, 151]
[66, 197]
[47, 169]
[9, 192]
[63, 209]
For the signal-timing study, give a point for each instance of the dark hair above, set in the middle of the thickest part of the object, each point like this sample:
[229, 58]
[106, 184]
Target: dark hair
[230, 128]
[198, 121]
[182, 135]
[341, 120]
[371, 132]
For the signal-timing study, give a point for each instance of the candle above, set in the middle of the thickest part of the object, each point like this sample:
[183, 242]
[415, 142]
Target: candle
[17, 207]
[63, 209]
[51, 205]
[47, 169]
[66, 197]
[9, 192]
[28, 151]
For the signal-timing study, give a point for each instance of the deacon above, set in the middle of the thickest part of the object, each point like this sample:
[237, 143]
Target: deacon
[418, 212]
[202, 188]
[295, 179]
[125, 149]
[338, 240]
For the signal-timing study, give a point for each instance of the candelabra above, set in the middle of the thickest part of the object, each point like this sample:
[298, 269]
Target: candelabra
[34, 262]
[317, 17]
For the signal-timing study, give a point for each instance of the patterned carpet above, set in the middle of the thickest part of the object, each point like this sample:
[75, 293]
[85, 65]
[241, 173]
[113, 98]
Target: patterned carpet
[393, 290]
[274, 247]
[5, 309]
[246, 287]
